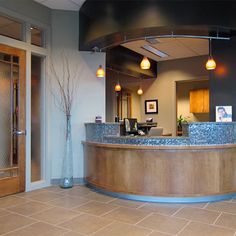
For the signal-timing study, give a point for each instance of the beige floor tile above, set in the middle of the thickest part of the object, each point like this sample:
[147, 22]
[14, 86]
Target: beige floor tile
[12, 222]
[96, 208]
[73, 234]
[29, 208]
[163, 224]
[86, 224]
[55, 215]
[127, 215]
[162, 208]
[196, 205]
[200, 229]
[234, 200]
[118, 229]
[197, 214]
[127, 203]
[99, 197]
[155, 233]
[38, 229]
[228, 207]
[69, 202]
[3, 212]
[56, 189]
[31, 193]
[46, 196]
[227, 220]
[11, 201]
[79, 191]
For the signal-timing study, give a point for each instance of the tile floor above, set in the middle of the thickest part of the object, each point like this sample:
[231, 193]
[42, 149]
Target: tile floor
[80, 211]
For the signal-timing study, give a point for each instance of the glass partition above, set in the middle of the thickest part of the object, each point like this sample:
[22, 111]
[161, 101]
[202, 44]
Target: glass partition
[10, 28]
[36, 114]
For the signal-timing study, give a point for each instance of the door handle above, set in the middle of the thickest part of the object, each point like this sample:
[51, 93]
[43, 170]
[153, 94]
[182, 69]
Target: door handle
[19, 132]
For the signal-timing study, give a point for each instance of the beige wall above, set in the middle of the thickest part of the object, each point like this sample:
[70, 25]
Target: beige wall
[164, 88]
[89, 98]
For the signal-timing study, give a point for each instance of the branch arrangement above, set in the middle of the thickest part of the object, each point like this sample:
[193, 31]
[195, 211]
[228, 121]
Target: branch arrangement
[65, 85]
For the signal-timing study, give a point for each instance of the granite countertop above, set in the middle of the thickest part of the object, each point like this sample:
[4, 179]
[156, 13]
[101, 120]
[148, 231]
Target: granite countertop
[147, 140]
[199, 133]
[145, 137]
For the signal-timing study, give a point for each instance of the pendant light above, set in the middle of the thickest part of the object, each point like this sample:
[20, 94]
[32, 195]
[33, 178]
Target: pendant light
[118, 87]
[100, 73]
[210, 64]
[140, 91]
[145, 63]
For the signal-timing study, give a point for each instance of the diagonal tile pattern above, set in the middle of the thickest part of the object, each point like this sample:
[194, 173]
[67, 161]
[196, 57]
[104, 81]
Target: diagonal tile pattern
[118, 228]
[12, 222]
[29, 208]
[126, 215]
[195, 214]
[96, 208]
[86, 224]
[81, 211]
[38, 229]
[164, 224]
[197, 229]
[55, 215]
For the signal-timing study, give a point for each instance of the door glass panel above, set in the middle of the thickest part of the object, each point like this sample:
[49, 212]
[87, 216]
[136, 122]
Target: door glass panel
[36, 91]
[9, 77]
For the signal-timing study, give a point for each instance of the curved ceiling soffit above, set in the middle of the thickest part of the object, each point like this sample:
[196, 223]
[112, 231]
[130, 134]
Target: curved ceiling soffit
[103, 29]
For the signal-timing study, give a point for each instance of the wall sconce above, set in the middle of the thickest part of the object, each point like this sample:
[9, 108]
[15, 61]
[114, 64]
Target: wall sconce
[145, 63]
[100, 73]
[210, 64]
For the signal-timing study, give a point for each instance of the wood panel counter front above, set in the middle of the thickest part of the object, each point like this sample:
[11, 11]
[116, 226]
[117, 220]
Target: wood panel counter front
[169, 171]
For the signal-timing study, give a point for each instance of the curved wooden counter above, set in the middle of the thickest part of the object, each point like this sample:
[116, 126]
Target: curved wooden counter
[169, 171]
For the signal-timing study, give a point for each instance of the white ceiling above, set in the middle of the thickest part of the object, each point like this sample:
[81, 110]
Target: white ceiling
[70, 5]
[176, 48]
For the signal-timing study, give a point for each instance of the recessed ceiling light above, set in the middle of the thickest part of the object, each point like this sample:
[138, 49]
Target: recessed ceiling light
[154, 51]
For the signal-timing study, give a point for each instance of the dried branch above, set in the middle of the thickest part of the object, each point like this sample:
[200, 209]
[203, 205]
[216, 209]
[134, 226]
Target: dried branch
[65, 86]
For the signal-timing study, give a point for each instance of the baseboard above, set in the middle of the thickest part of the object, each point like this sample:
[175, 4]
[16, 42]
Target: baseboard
[76, 181]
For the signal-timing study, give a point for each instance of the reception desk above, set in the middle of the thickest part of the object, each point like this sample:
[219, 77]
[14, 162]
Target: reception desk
[198, 167]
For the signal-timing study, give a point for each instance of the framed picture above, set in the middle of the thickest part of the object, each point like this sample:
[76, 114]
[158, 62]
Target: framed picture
[223, 113]
[151, 106]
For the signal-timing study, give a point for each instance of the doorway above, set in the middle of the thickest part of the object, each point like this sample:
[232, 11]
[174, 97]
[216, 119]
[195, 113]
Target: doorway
[12, 120]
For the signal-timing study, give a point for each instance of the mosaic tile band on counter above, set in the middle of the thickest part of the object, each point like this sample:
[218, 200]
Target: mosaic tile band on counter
[199, 133]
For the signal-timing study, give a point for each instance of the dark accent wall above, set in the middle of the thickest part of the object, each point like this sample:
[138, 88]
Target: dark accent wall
[223, 79]
[124, 60]
[106, 23]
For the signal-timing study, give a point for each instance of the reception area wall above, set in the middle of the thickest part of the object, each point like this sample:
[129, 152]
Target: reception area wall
[162, 88]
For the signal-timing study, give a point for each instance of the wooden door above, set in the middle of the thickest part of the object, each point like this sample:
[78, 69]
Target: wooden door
[12, 120]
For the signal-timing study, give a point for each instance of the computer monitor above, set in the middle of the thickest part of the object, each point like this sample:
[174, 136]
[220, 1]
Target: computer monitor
[131, 126]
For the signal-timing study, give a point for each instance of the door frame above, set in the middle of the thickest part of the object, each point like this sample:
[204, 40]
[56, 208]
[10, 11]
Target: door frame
[16, 184]
[30, 49]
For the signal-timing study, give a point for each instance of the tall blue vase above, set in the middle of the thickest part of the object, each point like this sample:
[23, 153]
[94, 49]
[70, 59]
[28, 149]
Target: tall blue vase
[67, 165]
